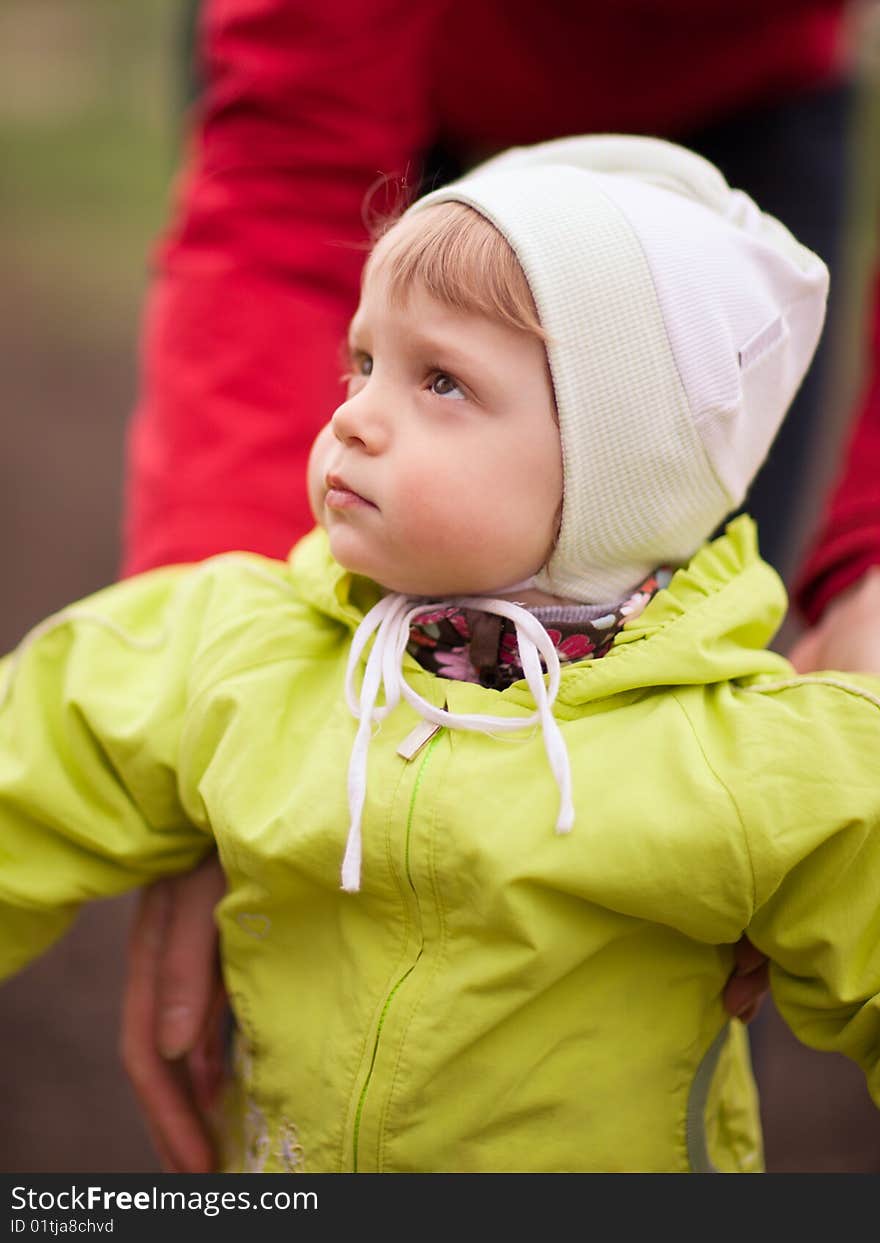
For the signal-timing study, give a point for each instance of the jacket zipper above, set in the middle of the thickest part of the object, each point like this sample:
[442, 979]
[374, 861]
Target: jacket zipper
[409, 819]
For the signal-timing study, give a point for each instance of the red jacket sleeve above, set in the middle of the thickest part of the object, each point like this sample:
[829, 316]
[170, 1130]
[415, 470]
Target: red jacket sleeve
[307, 105]
[848, 542]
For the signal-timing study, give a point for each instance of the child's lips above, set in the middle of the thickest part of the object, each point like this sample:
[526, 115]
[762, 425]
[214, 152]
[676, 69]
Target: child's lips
[340, 496]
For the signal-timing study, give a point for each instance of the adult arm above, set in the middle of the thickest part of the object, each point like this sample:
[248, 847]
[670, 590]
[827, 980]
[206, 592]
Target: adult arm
[847, 546]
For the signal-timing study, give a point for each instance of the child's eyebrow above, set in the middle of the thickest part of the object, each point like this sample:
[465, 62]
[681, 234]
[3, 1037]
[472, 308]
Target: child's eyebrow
[450, 353]
[435, 347]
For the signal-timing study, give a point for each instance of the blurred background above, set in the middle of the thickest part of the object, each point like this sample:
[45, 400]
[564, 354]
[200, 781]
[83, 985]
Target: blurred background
[93, 97]
[92, 94]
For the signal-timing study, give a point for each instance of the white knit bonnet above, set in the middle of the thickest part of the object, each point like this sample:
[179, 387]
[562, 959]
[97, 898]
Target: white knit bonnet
[681, 320]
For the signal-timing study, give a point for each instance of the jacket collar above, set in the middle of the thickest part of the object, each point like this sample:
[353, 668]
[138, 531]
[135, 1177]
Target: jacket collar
[712, 623]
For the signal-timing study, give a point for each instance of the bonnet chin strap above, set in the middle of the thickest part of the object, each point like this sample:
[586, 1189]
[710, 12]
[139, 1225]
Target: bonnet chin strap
[390, 621]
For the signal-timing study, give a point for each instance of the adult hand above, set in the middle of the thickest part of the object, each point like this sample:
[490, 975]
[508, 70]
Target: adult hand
[173, 1015]
[848, 636]
[749, 981]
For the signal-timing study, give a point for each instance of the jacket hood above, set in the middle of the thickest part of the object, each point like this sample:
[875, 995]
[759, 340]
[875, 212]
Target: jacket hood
[712, 623]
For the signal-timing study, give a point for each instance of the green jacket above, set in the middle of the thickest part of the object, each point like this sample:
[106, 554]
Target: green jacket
[497, 997]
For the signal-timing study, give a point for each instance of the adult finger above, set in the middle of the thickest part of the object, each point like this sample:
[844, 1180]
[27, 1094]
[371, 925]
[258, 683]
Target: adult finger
[749, 981]
[208, 1061]
[744, 995]
[747, 957]
[188, 969]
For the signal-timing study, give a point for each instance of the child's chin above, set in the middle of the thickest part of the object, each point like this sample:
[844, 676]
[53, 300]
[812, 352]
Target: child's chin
[352, 556]
[346, 550]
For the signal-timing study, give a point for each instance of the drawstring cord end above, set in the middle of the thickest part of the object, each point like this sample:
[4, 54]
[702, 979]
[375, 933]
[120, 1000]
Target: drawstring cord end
[351, 864]
[565, 819]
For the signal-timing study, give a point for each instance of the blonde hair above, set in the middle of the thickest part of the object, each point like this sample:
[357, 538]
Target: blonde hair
[460, 259]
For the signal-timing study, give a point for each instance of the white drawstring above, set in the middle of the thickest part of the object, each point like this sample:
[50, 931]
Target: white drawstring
[390, 620]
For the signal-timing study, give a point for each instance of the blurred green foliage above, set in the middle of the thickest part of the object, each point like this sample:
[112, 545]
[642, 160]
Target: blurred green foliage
[91, 98]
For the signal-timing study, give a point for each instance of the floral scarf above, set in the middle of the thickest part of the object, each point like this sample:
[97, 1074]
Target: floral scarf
[471, 646]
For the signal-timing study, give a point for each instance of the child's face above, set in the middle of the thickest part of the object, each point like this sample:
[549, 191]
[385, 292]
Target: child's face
[441, 472]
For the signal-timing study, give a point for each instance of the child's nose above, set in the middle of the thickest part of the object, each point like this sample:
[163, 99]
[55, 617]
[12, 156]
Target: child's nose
[360, 421]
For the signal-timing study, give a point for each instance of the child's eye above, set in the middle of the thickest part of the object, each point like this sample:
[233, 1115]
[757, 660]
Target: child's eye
[359, 367]
[443, 385]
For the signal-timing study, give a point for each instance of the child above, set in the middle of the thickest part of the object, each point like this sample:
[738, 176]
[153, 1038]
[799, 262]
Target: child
[565, 370]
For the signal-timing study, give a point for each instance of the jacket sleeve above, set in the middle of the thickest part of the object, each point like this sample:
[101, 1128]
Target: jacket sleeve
[848, 541]
[810, 807]
[308, 109]
[92, 704]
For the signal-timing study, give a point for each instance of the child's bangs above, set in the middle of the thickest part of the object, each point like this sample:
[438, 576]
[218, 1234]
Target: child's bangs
[458, 257]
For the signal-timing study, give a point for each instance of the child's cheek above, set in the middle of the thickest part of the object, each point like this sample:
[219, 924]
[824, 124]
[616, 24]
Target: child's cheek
[424, 502]
[441, 521]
